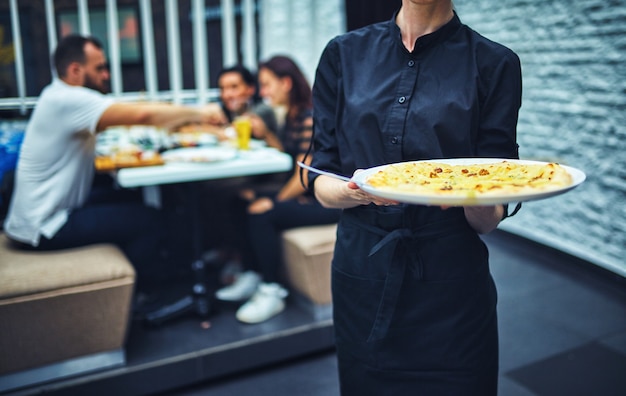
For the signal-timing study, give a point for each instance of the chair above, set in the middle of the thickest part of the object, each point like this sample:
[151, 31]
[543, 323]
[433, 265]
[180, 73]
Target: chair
[63, 312]
[308, 253]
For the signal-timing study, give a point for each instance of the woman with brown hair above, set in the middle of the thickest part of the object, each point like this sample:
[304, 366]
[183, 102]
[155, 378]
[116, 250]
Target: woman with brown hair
[291, 205]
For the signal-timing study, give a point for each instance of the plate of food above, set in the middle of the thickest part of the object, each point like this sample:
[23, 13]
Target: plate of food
[192, 139]
[199, 154]
[126, 159]
[468, 181]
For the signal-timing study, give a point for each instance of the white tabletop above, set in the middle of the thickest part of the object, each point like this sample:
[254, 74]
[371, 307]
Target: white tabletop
[252, 162]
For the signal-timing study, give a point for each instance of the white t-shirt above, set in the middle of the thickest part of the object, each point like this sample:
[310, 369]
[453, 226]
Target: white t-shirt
[55, 168]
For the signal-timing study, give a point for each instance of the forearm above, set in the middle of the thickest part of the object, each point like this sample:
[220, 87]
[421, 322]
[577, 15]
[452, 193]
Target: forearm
[273, 141]
[292, 189]
[157, 114]
[171, 116]
[484, 219]
[262, 132]
[333, 193]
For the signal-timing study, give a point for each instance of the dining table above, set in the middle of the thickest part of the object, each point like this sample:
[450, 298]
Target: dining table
[189, 167]
[251, 162]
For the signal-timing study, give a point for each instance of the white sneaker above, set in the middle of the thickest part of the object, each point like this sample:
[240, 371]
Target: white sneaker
[267, 302]
[243, 288]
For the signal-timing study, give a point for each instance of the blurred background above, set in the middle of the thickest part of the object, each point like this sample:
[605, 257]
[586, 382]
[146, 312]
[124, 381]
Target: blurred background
[572, 54]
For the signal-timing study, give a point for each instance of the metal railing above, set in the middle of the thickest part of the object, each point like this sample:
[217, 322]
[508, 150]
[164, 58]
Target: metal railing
[202, 92]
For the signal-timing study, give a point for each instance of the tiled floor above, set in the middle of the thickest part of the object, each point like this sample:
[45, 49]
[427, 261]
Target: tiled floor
[562, 332]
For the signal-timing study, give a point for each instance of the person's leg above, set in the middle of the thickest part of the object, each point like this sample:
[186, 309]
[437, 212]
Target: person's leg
[265, 237]
[265, 231]
[105, 190]
[138, 230]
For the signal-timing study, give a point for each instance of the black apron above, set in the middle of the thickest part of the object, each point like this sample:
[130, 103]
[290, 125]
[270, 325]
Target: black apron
[414, 304]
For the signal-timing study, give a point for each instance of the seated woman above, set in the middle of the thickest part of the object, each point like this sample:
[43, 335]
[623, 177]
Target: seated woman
[271, 212]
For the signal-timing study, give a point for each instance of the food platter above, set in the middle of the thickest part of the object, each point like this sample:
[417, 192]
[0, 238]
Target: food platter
[199, 154]
[107, 163]
[192, 139]
[467, 198]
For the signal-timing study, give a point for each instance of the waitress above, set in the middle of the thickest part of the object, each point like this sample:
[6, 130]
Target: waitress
[413, 298]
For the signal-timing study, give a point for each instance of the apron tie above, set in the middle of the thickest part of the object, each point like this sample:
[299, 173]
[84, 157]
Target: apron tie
[384, 250]
[393, 280]
[390, 240]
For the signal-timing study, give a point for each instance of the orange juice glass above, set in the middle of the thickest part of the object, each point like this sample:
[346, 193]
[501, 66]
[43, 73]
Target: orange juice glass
[243, 126]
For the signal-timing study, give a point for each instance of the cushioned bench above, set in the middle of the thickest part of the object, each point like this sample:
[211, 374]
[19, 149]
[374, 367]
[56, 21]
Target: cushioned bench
[308, 252]
[61, 306]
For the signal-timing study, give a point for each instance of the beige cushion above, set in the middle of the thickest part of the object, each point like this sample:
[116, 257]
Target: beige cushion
[62, 304]
[24, 272]
[308, 253]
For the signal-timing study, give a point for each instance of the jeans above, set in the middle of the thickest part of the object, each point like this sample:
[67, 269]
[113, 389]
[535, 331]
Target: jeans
[265, 232]
[117, 217]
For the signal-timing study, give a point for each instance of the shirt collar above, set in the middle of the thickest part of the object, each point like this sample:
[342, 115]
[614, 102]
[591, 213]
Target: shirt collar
[430, 39]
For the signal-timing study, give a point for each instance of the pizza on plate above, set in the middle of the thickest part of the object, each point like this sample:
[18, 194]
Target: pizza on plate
[470, 180]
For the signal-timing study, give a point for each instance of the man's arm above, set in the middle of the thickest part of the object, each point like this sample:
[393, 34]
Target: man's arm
[157, 114]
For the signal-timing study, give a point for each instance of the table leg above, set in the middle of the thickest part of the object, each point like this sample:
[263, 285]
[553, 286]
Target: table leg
[199, 300]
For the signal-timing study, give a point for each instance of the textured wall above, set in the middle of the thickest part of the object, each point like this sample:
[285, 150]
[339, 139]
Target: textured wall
[573, 55]
[299, 28]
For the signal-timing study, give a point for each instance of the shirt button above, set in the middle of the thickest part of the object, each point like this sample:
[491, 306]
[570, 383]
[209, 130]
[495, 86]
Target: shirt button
[394, 140]
[411, 63]
[402, 99]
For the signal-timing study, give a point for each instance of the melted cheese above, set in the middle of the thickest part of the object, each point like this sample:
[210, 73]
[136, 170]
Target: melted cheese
[469, 180]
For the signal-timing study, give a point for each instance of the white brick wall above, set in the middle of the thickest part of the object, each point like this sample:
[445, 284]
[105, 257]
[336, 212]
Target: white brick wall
[300, 29]
[573, 55]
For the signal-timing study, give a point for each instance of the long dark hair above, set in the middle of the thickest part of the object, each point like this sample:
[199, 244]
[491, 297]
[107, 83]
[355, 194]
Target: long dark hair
[300, 95]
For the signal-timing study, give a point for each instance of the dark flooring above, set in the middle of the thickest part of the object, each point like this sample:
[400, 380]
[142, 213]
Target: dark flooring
[562, 332]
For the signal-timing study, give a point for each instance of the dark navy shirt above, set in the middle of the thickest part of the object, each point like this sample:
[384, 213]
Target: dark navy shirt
[456, 95]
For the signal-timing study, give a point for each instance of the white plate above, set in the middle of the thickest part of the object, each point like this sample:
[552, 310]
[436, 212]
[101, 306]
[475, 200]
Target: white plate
[434, 199]
[199, 154]
[192, 139]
